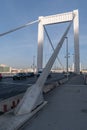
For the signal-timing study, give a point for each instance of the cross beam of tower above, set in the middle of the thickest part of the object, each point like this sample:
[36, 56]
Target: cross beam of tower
[59, 18]
[53, 47]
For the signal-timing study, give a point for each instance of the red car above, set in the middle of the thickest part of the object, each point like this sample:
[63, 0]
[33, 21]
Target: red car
[0, 76]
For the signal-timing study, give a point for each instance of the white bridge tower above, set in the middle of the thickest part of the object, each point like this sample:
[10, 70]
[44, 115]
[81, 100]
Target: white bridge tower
[59, 18]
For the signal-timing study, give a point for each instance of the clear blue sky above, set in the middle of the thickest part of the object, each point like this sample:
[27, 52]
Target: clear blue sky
[18, 49]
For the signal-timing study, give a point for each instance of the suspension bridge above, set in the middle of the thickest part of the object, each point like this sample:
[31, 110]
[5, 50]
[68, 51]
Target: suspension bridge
[33, 99]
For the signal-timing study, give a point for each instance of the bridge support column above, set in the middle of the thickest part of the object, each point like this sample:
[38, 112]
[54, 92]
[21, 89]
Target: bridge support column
[76, 42]
[40, 45]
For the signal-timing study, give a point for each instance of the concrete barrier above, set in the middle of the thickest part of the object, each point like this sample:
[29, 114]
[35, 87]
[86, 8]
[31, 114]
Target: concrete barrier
[11, 103]
[50, 87]
[62, 81]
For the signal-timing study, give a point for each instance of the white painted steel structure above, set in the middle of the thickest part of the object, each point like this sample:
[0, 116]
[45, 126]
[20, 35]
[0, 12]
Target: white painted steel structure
[34, 97]
[59, 18]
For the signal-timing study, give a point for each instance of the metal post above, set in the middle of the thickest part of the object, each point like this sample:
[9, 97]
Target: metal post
[73, 62]
[33, 63]
[67, 56]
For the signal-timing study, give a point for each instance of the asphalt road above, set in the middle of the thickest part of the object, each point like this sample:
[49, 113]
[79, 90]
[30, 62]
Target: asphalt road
[10, 87]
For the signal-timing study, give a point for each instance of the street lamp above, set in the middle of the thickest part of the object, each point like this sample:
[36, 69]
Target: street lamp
[33, 63]
[73, 62]
[67, 56]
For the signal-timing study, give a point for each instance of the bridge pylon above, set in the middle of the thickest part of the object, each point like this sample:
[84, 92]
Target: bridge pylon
[59, 18]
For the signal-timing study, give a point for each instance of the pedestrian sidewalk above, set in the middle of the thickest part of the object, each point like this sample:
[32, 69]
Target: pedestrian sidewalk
[66, 108]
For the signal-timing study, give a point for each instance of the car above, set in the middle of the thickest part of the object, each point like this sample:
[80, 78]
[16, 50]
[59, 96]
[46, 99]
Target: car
[49, 76]
[39, 73]
[19, 76]
[30, 74]
[0, 76]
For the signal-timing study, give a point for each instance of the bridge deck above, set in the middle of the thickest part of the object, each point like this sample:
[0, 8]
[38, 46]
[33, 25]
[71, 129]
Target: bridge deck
[10, 88]
[66, 108]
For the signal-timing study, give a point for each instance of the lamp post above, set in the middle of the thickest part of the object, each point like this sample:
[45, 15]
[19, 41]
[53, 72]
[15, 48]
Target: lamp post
[67, 56]
[73, 63]
[33, 63]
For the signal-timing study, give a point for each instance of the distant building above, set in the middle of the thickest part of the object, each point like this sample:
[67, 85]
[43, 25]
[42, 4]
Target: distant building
[13, 70]
[5, 69]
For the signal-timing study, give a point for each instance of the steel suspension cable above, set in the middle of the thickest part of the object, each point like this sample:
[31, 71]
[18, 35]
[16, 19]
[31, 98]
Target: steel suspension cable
[53, 47]
[18, 28]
